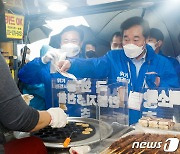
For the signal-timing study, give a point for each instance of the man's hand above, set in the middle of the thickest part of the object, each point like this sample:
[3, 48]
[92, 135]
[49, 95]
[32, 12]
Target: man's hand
[58, 117]
[53, 54]
[64, 65]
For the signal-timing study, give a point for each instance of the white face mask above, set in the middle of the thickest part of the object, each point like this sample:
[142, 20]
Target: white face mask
[132, 50]
[71, 49]
[117, 48]
[152, 45]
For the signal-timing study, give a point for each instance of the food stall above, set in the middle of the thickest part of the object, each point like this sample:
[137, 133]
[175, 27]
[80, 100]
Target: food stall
[100, 112]
[103, 118]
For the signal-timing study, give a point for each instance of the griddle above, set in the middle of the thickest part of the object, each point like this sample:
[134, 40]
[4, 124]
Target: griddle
[58, 135]
[101, 129]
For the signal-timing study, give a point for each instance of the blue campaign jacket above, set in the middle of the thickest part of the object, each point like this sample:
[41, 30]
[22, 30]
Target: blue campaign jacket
[114, 66]
[38, 91]
[174, 62]
[35, 72]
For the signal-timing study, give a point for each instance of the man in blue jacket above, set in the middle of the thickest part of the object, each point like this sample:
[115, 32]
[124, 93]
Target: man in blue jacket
[136, 63]
[155, 40]
[38, 71]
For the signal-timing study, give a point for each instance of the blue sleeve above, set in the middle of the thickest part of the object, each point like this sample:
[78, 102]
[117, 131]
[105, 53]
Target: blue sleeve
[178, 69]
[37, 89]
[174, 61]
[169, 77]
[96, 68]
[33, 72]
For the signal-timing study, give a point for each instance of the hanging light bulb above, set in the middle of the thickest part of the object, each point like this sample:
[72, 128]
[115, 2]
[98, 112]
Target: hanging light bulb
[57, 6]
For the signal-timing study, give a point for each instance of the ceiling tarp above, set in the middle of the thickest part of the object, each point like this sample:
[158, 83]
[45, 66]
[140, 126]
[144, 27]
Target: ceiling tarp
[105, 24]
[106, 19]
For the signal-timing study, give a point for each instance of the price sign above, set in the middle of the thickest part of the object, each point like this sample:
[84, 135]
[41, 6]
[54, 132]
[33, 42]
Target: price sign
[14, 26]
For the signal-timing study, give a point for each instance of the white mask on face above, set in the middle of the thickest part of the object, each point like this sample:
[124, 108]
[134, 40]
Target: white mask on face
[152, 45]
[132, 50]
[71, 49]
[117, 48]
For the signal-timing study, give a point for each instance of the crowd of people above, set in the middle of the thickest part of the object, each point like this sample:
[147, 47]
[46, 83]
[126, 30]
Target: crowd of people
[137, 63]
[135, 51]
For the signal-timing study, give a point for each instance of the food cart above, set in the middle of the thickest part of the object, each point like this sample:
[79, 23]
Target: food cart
[91, 105]
[103, 108]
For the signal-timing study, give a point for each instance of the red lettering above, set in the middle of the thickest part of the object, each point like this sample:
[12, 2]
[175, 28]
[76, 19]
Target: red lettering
[19, 21]
[10, 20]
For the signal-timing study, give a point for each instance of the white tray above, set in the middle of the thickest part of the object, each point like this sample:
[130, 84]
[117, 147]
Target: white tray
[141, 129]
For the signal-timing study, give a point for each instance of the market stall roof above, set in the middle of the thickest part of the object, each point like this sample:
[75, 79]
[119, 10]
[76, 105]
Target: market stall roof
[158, 17]
[105, 16]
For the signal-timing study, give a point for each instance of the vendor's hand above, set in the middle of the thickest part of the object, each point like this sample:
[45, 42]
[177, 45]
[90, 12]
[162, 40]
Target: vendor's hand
[53, 54]
[58, 117]
[64, 65]
[80, 150]
[152, 79]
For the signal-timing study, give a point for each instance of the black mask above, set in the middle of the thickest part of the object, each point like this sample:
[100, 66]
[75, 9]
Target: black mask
[91, 54]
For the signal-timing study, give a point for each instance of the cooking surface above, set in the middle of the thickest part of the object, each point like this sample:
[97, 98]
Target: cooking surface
[98, 147]
[72, 129]
[101, 130]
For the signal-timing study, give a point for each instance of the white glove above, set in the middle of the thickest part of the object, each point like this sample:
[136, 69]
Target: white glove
[58, 117]
[80, 149]
[53, 55]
